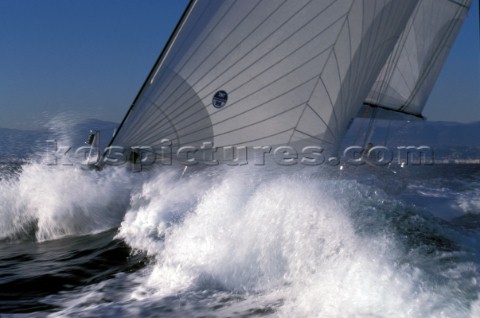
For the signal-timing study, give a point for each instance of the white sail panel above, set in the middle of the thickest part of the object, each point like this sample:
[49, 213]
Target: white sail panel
[408, 77]
[282, 72]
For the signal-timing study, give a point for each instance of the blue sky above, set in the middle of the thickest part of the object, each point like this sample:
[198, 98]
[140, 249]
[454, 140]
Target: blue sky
[88, 59]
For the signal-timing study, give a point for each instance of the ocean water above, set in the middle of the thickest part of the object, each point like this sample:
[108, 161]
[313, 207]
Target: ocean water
[239, 242]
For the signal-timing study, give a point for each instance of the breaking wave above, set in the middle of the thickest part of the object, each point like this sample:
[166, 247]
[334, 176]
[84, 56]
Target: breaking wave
[48, 202]
[306, 243]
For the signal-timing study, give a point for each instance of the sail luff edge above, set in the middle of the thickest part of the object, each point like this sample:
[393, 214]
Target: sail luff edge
[154, 69]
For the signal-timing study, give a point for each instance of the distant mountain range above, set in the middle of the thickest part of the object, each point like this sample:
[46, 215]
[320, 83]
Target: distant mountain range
[449, 140]
[447, 137]
[431, 133]
[20, 144]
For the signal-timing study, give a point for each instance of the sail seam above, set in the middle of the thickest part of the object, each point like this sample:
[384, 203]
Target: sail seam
[212, 51]
[220, 20]
[232, 50]
[264, 137]
[267, 53]
[298, 122]
[271, 83]
[255, 107]
[313, 137]
[323, 120]
[172, 43]
[459, 4]
[330, 48]
[330, 99]
[330, 54]
[274, 62]
[249, 125]
[188, 9]
[250, 140]
[134, 118]
[435, 54]
[339, 78]
[345, 23]
[202, 41]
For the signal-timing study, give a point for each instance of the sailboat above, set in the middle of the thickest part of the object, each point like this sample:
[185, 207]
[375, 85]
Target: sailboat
[263, 74]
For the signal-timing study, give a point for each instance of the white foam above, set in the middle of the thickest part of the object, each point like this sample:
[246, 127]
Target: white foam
[49, 201]
[286, 237]
[475, 312]
[54, 201]
[469, 202]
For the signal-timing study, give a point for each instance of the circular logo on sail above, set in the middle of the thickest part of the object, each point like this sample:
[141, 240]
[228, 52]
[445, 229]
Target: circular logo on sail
[220, 99]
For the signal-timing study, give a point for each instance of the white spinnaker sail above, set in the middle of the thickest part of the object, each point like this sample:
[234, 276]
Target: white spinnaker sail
[281, 72]
[408, 77]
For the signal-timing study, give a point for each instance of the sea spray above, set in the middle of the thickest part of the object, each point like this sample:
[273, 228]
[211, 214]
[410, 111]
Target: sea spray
[47, 202]
[285, 238]
[245, 241]
[162, 201]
